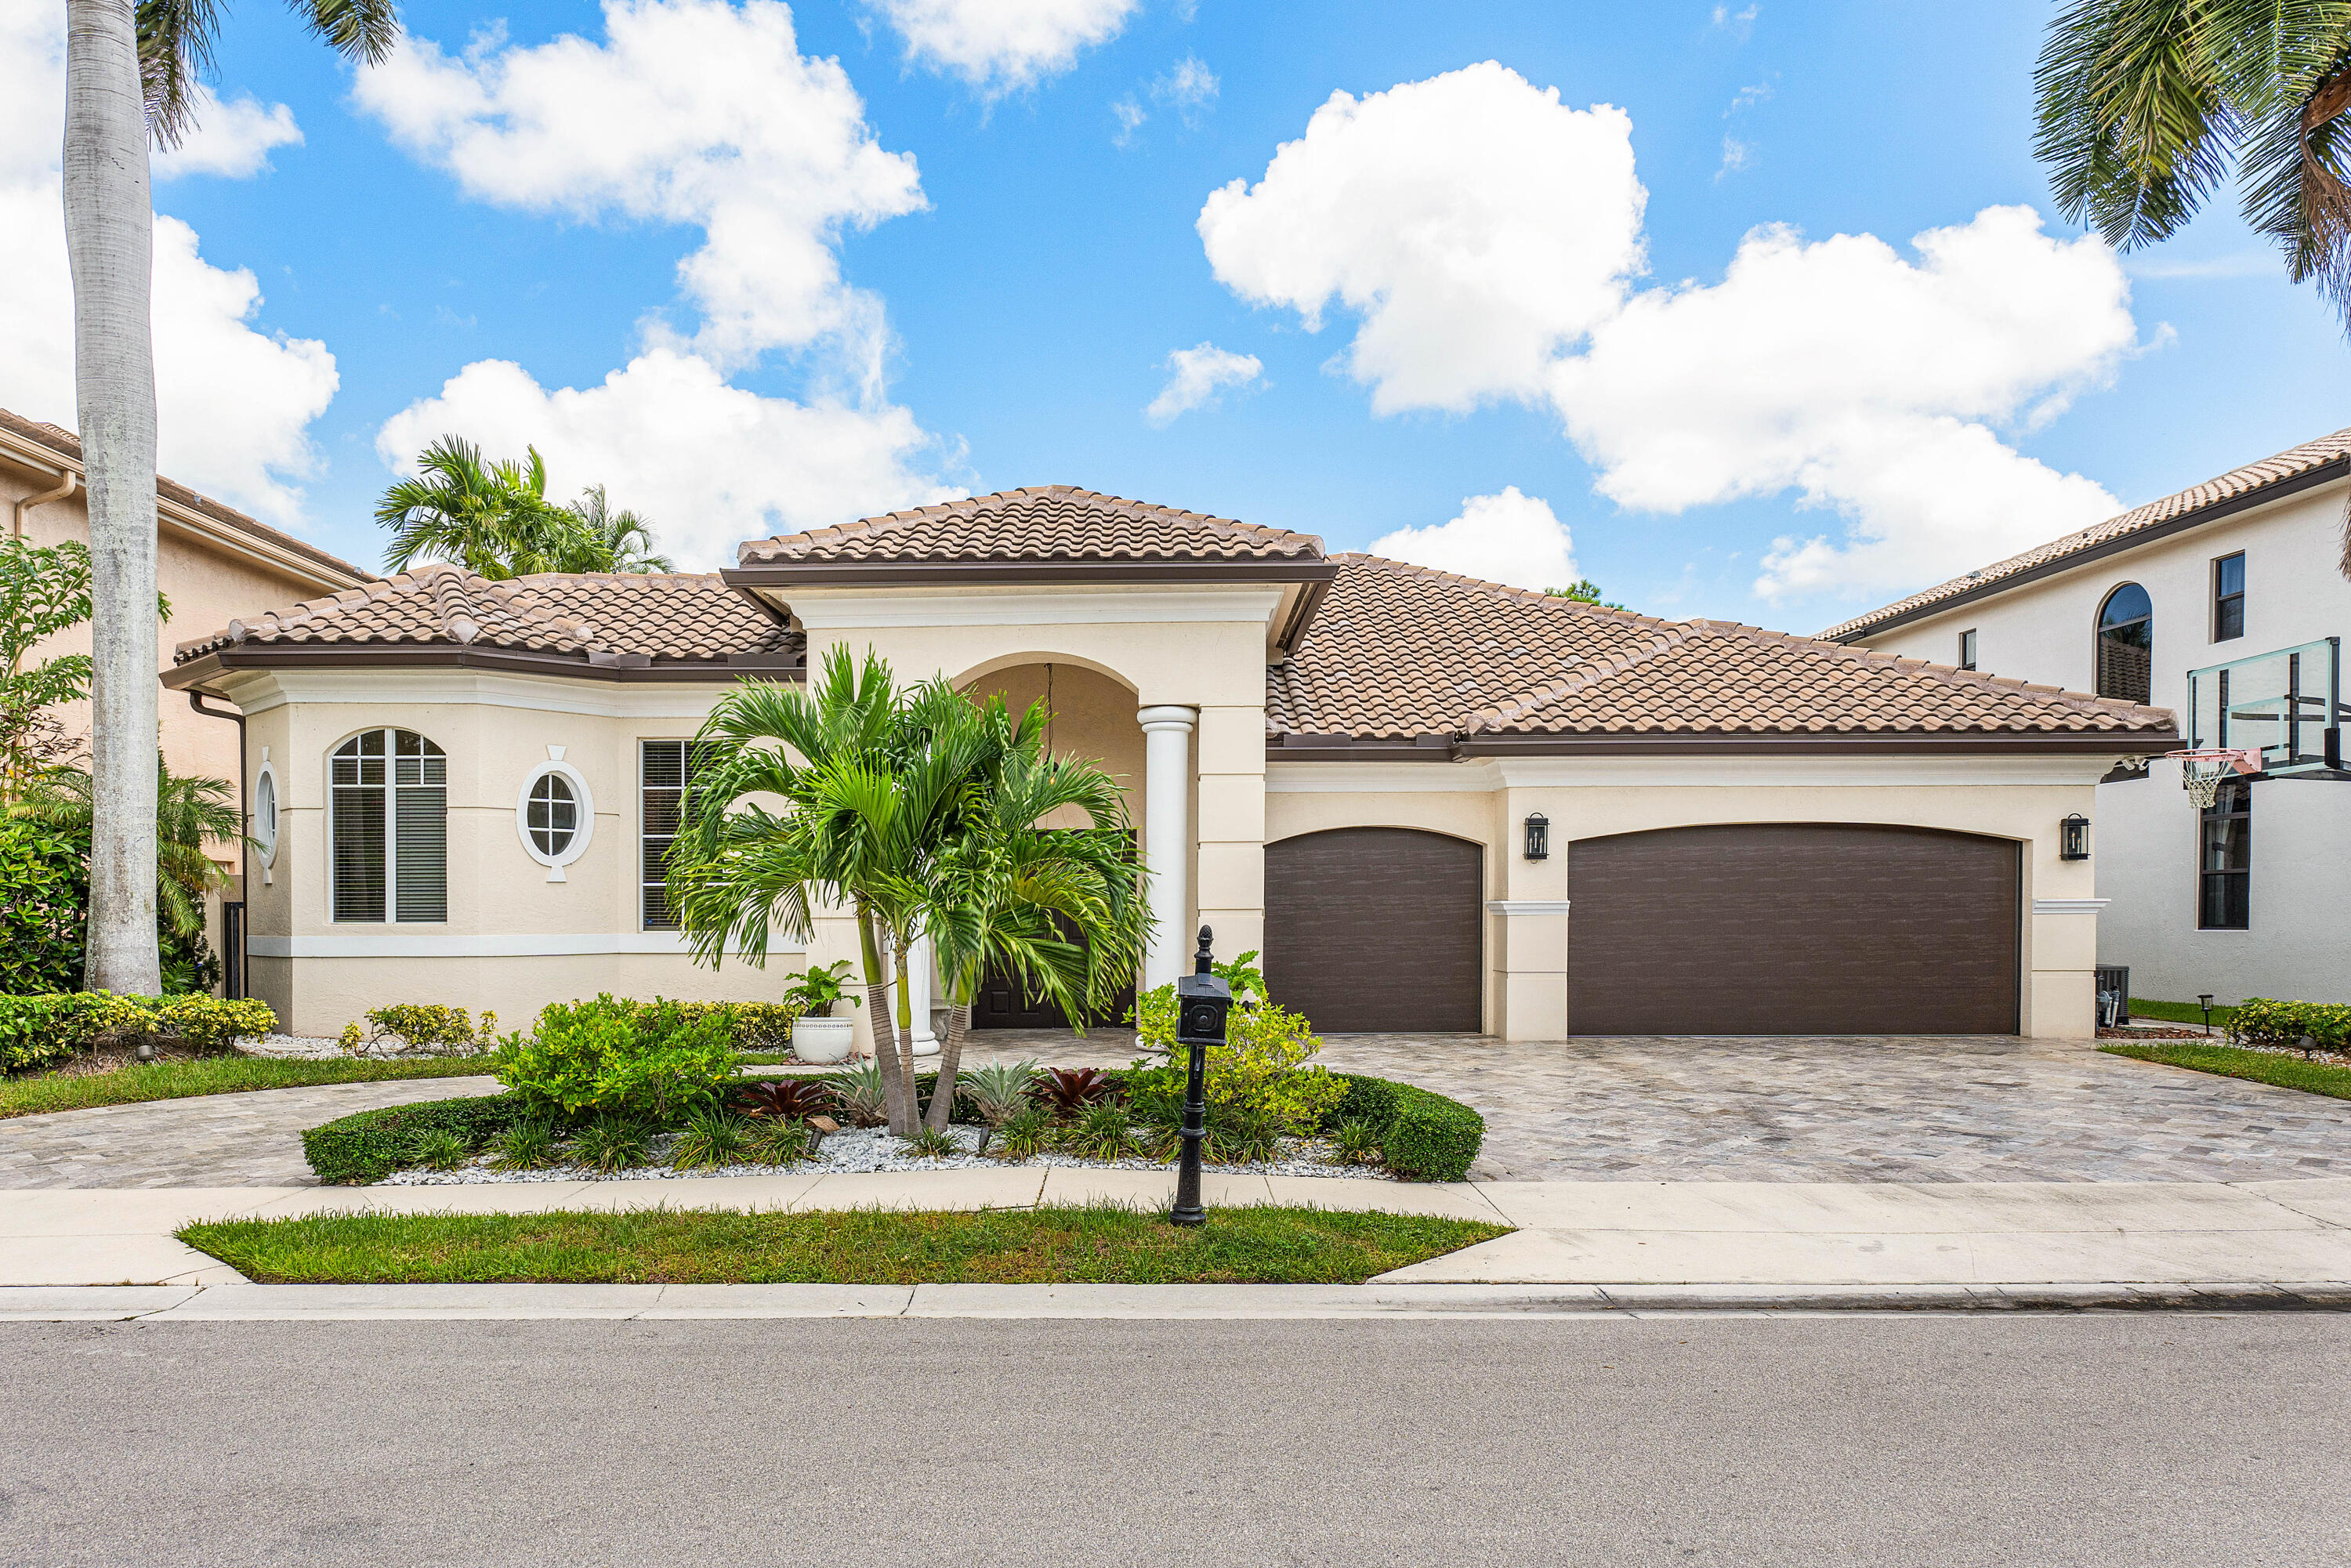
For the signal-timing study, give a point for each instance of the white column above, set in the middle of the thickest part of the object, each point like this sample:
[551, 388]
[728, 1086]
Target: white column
[1167, 838]
[918, 996]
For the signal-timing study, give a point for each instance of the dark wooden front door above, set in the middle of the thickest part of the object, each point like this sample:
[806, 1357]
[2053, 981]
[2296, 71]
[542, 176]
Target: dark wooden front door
[1793, 928]
[1370, 930]
[1002, 1003]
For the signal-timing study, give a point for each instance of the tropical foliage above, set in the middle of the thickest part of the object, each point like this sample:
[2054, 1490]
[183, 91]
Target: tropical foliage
[191, 812]
[2147, 106]
[495, 518]
[917, 811]
[44, 905]
[609, 1058]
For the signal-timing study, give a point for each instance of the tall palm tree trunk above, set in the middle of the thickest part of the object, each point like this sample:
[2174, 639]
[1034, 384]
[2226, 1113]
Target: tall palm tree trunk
[878, 1012]
[109, 235]
[903, 1044]
[942, 1105]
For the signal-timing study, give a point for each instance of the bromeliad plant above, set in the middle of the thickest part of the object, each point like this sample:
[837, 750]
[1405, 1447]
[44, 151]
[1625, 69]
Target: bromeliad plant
[1066, 1091]
[784, 1099]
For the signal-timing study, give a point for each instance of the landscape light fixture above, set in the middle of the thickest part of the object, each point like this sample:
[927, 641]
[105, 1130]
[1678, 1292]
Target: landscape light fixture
[2205, 1001]
[2074, 838]
[1538, 836]
[1202, 1003]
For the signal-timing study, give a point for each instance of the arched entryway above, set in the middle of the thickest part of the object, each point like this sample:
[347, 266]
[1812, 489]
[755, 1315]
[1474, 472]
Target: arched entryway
[1372, 929]
[1093, 716]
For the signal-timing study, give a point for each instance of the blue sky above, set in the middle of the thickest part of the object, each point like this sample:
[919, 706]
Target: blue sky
[1021, 286]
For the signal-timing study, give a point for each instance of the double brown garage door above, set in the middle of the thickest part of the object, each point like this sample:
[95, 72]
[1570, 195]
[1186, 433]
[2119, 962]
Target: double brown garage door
[1766, 928]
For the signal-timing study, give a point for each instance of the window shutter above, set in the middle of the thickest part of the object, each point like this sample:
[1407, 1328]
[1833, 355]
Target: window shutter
[358, 851]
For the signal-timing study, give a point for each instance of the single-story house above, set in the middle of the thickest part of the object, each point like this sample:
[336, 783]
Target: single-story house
[1434, 804]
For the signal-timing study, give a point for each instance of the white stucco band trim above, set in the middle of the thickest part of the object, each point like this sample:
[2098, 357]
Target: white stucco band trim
[502, 945]
[2069, 906]
[829, 610]
[1526, 905]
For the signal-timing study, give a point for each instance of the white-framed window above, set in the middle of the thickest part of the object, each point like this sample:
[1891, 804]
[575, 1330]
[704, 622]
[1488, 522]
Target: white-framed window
[1968, 649]
[388, 796]
[666, 772]
[555, 815]
[265, 810]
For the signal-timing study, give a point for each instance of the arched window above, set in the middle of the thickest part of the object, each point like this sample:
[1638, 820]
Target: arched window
[391, 832]
[555, 815]
[2126, 644]
[265, 812]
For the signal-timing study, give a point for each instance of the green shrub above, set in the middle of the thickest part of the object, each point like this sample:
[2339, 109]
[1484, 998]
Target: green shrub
[609, 1057]
[1432, 1139]
[610, 1143]
[713, 1139]
[1423, 1136]
[2260, 1020]
[525, 1145]
[37, 1030]
[209, 1023]
[1264, 1068]
[44, 905]
[371, 1145]
[777, 1143]
[424, 1028]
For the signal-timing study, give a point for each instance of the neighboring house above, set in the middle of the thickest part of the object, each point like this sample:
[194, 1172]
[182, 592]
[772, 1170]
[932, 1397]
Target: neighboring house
[1394, 782]
[2234, 589]
[211, 563]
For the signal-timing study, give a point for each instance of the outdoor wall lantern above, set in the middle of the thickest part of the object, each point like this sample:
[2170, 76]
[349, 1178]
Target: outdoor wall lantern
[2073, 842]
[1202, 1000]
[1538, 837]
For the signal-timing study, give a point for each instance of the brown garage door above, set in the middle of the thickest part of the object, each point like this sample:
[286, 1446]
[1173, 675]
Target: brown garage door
[1375, 928]
[1792, 928]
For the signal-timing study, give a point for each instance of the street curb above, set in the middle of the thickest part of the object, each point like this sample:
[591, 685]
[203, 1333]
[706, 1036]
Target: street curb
[257, 1303]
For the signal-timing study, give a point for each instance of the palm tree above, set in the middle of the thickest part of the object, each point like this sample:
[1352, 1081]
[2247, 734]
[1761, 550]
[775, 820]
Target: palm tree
[614, 542]
[489, 518]
[2147, 105]
[1005, 890]
[190, 813]
[131, 69]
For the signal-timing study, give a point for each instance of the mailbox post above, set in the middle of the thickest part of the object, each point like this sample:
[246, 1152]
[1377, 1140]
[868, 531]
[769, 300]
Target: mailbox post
[1202, 1003]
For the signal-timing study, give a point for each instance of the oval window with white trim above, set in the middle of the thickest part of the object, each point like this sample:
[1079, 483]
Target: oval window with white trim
[555, 816]
[265, 812]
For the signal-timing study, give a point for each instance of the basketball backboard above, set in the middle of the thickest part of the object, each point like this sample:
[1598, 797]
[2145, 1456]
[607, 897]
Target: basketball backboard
[2288, 703]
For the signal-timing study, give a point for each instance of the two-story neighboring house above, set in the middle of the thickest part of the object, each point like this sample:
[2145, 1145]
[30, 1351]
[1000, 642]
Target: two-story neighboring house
[2227, 603]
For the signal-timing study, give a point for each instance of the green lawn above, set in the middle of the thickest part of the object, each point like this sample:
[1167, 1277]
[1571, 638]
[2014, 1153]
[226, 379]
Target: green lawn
[2232, 1061]
[30, 1096]
[2181, 1012]
[1052, 1245]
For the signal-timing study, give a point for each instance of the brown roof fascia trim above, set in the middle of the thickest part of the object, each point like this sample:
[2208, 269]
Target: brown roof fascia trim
[1863, 743]
[2326, 473]
[1302, 616]
[381, 655]
[929, 573]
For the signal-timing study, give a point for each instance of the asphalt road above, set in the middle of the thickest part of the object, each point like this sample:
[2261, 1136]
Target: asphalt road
[2132, 1439]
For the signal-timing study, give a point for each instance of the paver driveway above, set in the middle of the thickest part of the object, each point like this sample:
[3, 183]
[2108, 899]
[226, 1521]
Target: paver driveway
[1942, 1110]
[1961, 1109]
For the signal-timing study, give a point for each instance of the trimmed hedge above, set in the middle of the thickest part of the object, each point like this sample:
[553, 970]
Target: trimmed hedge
[1423, 1136]
[372, 1145]
[2264, 1020]
[37, 1030]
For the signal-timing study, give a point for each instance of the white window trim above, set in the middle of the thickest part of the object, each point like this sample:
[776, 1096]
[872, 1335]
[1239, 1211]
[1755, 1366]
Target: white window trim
[392, 733]
[586, 830]
[265, 844]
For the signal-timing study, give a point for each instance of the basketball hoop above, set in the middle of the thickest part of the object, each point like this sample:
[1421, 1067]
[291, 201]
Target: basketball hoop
[2203, 771]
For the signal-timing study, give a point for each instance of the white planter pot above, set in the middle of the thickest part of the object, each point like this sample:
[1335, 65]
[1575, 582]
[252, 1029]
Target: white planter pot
[823, 1040]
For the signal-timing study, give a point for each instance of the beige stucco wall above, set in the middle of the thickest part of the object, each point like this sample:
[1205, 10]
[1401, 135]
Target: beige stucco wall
[1528, 952]
[2147, 836]
[514, 940]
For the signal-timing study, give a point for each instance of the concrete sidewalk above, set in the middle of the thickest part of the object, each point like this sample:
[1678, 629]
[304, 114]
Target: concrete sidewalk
[1716, 1234]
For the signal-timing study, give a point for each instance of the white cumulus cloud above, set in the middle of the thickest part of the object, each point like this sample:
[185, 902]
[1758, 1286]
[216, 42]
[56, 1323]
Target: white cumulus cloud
[708, 464]
[232, 139]
[1508, 537]
[1195, 375]
[691, 111]
[1863, 381]
[1003, 46]
[234, 403]
[1476, 225]
[1484, 235]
